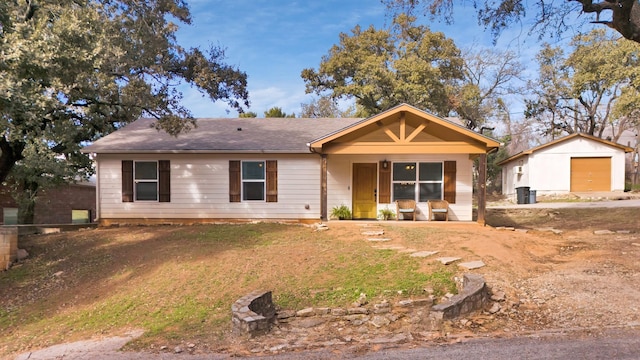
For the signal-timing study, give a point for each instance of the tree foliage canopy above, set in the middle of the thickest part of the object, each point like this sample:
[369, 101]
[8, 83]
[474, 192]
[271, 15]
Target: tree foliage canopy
[593, 88]
[324, 107]
[548, 16]
[74, 70]
[384, 68]
[276, 112]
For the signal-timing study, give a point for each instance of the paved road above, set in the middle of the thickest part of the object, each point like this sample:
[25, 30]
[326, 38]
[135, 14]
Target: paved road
[559, 205]
[623, 344]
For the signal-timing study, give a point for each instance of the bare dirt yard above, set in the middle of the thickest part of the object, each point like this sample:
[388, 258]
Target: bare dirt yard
[559, 270]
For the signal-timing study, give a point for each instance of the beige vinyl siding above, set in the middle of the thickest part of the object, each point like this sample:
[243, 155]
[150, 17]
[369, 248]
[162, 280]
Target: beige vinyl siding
[200, 188]
[339, 182]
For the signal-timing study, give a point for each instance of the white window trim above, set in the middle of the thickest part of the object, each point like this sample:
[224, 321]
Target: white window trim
[416, 183]
[263, 181]
[136, 181]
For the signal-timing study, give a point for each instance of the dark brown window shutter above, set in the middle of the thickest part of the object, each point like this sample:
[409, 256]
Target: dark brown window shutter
[384, 187]
[234, 181]
[272, 181]
[450, 181]
[164, 181]
[127, 180]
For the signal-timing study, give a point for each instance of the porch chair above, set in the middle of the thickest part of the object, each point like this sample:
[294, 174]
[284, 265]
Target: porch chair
[406, 207]
[438, 207]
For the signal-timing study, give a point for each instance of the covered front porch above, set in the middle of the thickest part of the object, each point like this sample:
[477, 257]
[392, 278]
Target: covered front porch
[403, 153]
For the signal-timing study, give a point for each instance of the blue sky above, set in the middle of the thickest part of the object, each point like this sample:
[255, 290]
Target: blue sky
[274, 40]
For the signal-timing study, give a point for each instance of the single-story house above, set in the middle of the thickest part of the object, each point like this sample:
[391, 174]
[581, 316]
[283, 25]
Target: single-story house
[288, 169]
[574, 163]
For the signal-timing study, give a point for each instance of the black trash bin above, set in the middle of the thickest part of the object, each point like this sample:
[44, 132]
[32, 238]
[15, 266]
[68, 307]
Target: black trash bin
[522, 193]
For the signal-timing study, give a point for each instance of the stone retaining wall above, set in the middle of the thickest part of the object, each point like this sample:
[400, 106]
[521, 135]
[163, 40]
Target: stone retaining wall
[473, 296]
[8, 246]
[253, 314]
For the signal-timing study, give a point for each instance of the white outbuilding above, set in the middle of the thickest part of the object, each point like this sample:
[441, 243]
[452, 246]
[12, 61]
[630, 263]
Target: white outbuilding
[575, 163]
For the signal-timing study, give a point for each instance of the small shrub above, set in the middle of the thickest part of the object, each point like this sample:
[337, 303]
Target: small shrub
[341, 212]
[387, 214]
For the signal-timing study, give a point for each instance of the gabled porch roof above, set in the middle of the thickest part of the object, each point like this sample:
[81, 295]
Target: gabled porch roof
[404, 129]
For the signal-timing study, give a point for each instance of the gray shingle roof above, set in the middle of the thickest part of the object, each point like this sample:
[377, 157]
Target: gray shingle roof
[286, 135]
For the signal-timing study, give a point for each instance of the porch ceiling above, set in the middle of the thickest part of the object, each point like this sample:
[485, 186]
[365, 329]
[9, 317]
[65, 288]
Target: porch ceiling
[404, 130]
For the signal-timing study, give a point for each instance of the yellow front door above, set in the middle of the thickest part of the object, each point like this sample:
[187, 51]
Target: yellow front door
[364, 191]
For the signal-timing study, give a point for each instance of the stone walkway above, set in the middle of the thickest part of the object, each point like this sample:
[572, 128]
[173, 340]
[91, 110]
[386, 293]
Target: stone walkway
[375, 234]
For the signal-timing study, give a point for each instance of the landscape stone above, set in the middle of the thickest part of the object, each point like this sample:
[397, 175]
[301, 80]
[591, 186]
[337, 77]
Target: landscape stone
[322, 311]
[321, 227]
[307, 323]
[555, 231]
[357, 311]
[423, 302]
[472, 265]
[379, 321]
[495, 308]
[285, 314]
[386, 340]
[498, 296]
[305, 312]
[338, 312]
[373, 233]
[603, 232]
[378, 239]
[22, 254]
[447, 260]
[389, 247]
[423, 253]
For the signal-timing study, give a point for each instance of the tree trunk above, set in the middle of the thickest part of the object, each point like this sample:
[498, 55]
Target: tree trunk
[10, 153]
[26, 200]
[26, 212]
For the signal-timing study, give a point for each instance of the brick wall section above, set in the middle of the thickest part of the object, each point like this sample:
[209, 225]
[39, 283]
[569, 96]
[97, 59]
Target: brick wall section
[54, 205]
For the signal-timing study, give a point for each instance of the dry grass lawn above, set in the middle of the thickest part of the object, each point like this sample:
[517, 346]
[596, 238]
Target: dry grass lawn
[177, 283]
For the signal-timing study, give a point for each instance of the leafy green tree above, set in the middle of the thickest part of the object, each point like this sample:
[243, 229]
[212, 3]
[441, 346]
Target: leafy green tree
[248, 114]
[549, 17]
[593, 88]
[384, 68]
[324, 107]
[72, 71]
[276, 112]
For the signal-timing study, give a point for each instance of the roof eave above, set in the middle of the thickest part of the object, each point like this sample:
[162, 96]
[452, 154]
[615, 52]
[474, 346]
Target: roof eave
[116, 151]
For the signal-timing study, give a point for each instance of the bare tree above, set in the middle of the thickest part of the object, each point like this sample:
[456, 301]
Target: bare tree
[489, 76]
[549, 15]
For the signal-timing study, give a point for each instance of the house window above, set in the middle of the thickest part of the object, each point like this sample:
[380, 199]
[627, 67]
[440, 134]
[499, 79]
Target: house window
[80, 216]
[253, 180]
[417, 181]
[10, 216]
[145, 177]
